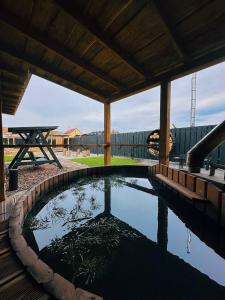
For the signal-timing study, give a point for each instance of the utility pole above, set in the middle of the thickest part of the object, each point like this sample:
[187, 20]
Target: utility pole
[193, 100]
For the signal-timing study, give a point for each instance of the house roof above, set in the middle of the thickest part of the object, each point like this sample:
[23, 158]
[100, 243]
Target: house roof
[69, 131]
[106, 50]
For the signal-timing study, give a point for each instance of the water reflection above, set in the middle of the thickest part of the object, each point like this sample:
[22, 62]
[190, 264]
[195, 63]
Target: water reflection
[162, 224]
[97, 236]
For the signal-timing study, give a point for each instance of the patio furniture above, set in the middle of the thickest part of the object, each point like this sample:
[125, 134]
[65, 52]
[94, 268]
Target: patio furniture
[33, 137]
[214, 166]
[181, 160]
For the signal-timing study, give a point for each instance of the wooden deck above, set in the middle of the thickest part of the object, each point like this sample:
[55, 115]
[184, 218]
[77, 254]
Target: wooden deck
[15, 282]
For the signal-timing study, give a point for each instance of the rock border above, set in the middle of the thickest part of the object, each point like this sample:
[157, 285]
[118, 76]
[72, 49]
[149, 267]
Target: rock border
[53, 283]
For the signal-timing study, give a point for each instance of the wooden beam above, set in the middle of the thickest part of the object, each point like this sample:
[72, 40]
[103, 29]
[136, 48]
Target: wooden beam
[11, 105]
[196, 64]
[11, 98]
[7, 92]
[43, 67]
[122, 8]
[107, 134]
[2, 168]
[99, 35]
[169, 29]
[164, 137]
[7, 77]
[13, 70]
[11, 84]
[162, 233]
[31, 33]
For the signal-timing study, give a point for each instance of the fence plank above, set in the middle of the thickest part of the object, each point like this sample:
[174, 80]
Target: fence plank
[184, 138]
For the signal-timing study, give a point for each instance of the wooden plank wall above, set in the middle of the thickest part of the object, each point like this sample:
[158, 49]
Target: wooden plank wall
[184, 138]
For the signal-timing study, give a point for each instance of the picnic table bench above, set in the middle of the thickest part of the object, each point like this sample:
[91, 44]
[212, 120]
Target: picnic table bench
[33, 137]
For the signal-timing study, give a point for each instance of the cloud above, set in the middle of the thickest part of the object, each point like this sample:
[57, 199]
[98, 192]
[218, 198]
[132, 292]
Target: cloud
[46, 103]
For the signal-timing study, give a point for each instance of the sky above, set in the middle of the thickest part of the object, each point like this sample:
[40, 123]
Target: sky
[45, 103]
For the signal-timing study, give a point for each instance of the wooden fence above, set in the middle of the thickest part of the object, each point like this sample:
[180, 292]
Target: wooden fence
[184, 139]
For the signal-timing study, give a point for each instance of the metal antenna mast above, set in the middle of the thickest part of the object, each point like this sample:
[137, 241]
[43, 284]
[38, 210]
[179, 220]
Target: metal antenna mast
[193, 100]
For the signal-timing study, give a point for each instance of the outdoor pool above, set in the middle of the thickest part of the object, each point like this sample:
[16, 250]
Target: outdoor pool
[117, 237]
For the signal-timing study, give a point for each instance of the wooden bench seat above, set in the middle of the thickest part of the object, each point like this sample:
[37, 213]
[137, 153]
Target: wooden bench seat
[181, 189]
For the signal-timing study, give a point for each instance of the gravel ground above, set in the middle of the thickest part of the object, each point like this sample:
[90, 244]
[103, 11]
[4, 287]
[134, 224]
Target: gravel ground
[30, 175]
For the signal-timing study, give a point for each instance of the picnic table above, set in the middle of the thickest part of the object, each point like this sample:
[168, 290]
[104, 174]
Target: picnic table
[33, 137]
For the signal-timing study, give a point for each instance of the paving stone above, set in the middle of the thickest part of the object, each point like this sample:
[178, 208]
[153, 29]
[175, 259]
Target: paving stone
[41, 272]
[201, 187]
[27, 256]
[61, 288]
[84, 295]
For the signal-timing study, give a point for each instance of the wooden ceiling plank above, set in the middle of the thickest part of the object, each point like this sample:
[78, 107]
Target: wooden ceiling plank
[12, 93]
[168, 29]
[109, 23]
[210, 59]
[49, 69]
[33, 34]
[11, 84]
[12, 70]
[100, 36]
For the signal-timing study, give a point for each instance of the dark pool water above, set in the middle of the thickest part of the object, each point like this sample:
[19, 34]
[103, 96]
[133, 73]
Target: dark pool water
[117, 237]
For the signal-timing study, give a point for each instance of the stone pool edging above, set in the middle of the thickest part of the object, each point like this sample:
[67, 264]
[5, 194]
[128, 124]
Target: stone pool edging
[53, 283]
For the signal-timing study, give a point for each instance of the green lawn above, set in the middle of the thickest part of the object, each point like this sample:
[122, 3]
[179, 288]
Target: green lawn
[98, 161]
[8, 158]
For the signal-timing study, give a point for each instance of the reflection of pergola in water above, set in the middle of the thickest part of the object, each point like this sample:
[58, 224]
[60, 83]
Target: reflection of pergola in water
[162, 212]
[167, 273]
[207, 232]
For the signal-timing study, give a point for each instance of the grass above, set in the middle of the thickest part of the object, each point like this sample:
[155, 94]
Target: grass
[98, 161]
[8, 158]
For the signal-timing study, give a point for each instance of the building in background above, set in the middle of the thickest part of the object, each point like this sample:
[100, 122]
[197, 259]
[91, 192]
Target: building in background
[71, 133]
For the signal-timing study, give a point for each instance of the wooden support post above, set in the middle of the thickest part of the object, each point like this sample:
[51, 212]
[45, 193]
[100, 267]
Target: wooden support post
[107, 188]
[162, 234]
[164, 122]
[107, 134]
[2, 175]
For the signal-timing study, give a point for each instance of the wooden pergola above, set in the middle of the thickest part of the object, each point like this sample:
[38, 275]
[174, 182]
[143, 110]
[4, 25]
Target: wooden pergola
[106, 50]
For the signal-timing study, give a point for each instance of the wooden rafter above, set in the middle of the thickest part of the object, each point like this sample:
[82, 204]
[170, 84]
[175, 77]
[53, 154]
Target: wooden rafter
[33, 34]
[205, 61]
[43, 67]
[108, 24]
[9, 94]
[168, 28]
[100, 36]
[11, 97]
[12, 70]
[17, 93]
[11, 84]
